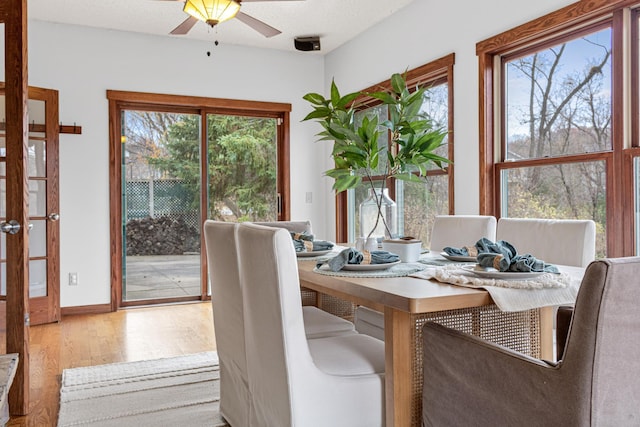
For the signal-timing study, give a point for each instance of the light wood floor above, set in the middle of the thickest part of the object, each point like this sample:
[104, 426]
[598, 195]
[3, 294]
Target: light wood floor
[127, 335]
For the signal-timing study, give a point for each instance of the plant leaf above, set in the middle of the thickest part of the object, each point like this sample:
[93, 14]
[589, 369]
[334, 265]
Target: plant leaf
[315, 98]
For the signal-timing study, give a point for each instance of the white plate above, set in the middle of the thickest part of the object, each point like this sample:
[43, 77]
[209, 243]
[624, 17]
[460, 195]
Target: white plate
[313, 253]
[458, 257]
[495, 274]
[369, 267]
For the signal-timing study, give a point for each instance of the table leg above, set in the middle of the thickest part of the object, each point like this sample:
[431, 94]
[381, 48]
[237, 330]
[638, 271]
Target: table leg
[546, 333]
[398, 364]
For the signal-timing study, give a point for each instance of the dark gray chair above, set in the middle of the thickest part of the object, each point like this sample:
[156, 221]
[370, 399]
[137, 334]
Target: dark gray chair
[469, 381]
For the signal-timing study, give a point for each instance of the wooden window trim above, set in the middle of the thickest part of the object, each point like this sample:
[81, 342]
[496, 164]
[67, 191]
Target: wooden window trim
[122, 100]
[438, 71]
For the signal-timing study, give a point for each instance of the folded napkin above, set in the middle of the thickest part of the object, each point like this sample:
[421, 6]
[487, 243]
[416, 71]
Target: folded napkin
[353, 256]
[502, 256]
[301, 236]
[480, 246]
[303, 242]
[316, 245]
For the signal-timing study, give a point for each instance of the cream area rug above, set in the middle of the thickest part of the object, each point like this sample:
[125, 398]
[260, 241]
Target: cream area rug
[176, 391]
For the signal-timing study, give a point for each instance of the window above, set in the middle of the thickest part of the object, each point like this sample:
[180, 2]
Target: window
[553, 132]
[417, 204]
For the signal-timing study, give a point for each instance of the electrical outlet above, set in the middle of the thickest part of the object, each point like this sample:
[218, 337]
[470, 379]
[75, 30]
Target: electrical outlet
[308, 197]
[73, 279]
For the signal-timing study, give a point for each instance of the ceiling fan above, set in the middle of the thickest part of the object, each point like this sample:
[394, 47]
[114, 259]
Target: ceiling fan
[214, 12]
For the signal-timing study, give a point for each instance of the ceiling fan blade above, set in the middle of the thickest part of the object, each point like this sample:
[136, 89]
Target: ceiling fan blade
[184, 28]
[259, 26]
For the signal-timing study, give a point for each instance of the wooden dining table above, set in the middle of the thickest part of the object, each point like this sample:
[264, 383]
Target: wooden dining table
[408, 303]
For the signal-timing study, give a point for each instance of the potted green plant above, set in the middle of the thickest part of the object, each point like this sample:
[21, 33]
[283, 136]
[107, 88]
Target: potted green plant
[356, 153]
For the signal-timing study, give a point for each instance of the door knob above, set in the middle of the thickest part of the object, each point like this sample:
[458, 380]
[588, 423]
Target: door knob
[11, 227]
[53, 216]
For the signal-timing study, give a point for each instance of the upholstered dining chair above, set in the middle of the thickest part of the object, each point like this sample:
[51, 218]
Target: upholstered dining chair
[557, 241]
[318, 323]
[226, 298]
[334, 381]
[293, 226]
[448, 230]
[460, 230]
[469, 381]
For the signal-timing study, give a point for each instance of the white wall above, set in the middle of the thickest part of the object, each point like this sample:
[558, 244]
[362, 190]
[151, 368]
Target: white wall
[82, 63]
[422, 32]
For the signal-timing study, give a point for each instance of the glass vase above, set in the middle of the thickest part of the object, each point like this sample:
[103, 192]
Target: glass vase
[370, 214]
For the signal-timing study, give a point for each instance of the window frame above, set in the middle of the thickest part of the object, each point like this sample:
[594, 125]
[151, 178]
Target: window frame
[122, 100]
[565, 22]
[439, 71]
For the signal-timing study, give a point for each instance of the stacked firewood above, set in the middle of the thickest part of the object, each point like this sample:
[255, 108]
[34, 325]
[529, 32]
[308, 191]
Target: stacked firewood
[161, 236]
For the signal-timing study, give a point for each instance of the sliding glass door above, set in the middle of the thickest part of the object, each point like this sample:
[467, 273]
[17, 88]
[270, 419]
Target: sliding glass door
[161, 205]
[174, 175]
[242, 168]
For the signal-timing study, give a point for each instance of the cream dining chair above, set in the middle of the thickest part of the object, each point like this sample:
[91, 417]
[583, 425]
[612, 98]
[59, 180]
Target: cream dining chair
[292, 226]
[460, 230]
[318, 323]
[555, 241]
[226, 298]
[334, 381]
[448, 230]
[470, 381]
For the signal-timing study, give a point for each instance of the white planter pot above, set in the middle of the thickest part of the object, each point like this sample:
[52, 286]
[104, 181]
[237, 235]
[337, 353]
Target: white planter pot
[407, 250]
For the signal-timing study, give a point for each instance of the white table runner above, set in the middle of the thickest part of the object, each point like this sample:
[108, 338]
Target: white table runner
[514, 295]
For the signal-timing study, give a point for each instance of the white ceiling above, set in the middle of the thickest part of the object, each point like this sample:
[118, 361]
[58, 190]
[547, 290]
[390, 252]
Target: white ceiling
[335, 21]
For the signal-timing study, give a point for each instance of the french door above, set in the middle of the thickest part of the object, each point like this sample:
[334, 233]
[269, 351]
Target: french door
[43, 226]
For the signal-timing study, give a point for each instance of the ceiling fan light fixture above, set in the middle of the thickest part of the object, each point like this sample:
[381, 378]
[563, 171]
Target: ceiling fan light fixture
[212, 12]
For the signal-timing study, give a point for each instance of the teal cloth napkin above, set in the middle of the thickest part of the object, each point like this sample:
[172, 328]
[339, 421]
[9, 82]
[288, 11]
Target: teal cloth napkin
[503, 256]
[456, 251]
[353, 256]
[464, 251]
[301, 236]
[482, 245]
[318, 245]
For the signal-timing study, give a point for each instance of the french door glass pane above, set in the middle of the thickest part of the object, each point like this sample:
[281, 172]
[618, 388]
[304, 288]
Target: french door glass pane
[37, 278]
[37, 153]
[161, 205]
[570, 191]
[242, 168]
[37, 198]
[38, 239]
[558, 99]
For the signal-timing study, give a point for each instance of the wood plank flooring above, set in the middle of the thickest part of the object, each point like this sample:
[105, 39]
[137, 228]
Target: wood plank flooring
[127, 335]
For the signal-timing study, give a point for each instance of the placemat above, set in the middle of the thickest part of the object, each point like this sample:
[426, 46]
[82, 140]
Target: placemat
[399, 270]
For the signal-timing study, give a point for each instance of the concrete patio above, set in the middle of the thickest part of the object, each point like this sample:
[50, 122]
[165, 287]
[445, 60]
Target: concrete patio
[161, 276]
